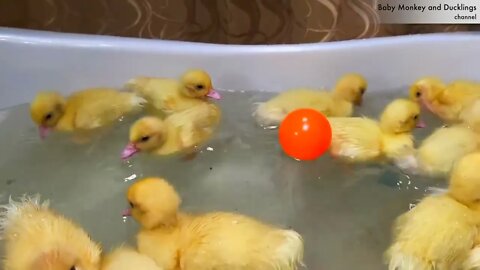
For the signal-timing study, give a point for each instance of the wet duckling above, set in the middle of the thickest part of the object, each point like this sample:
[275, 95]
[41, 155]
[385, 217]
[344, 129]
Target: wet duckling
[37, 238]
[360, 139]
[445, 101]
[216, 240]
[440, 232]
[348, 92]
[178, 132]
[171, 95]
[438, 152]
[82, 111]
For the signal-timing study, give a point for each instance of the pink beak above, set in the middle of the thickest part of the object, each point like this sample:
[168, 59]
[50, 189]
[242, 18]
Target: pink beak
[129, 151]
[43, 131]
[127, 212]
[214, 94]
[421, 124]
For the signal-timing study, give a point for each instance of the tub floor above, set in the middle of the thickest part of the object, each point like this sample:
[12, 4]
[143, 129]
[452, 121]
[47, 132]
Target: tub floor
[344, 213]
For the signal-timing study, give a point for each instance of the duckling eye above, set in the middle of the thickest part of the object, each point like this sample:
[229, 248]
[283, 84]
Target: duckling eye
[199, 87]
[418, 94]
[73, 268]
[145, 138]
[48, 116]
[415, 117]
[131, 204]
[362, 90]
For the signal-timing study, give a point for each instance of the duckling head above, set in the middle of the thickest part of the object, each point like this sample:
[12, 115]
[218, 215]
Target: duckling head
[153, 203]
[464, 184]
[71, 255]
[351, 87]
[35, 237]
[146, 134]
[400, 116]
[196, 83]
[426, 89]
[46, 110]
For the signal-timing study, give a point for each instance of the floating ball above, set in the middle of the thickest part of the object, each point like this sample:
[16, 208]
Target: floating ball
[305, 134]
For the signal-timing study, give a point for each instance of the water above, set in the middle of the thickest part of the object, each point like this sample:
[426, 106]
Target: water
[344, 213]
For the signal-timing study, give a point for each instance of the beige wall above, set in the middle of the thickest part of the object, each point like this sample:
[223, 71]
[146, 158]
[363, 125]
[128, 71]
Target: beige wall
[217, 21]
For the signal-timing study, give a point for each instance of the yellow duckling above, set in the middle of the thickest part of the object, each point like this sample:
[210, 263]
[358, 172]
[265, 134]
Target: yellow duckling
[215, 240]
[37, 238]
[359, 139]
[84, 110]
[445, 101]
[440, 232]
[171, 95]
[125, 258]
[178, 132]
[439, 151]
[348, 91]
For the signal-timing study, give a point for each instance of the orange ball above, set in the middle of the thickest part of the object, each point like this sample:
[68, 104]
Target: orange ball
[305, 134]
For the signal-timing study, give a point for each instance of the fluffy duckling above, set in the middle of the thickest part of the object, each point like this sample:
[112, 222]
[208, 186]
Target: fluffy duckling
[358, 139]
[178, 132]
[348, 91]
[440, 232]
[172, 95]
[125, 258]
[84, 110]
[216, 240]
[439, 151]
[37, 238]
[446, 101]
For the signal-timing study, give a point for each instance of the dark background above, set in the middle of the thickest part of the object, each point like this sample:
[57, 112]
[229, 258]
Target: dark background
[214, 21]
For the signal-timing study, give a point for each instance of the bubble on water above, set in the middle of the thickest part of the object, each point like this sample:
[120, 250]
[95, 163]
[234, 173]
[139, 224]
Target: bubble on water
[130, 178]
[209, 148]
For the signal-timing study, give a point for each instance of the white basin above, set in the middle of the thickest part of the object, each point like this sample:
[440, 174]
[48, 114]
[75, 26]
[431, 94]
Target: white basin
[34, 60]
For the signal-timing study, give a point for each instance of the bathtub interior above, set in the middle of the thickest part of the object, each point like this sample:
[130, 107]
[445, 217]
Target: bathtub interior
[344, 213]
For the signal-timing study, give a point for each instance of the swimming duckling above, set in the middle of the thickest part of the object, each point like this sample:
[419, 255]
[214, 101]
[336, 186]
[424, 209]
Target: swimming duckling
[445, 101]
[37, 238]
[82, 111]
[215, 240]
[178, 132]
[359, 139]
[348, 91]
[171, 95]
[440, 232]
[439, 151]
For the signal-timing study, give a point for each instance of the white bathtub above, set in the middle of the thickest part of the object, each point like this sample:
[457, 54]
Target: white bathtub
[34, 60]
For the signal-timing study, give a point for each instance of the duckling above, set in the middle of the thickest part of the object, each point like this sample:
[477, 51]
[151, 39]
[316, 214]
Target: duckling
[359, 139]
[84, 110]
[126, 258]
[178, 132]
[35, 237]
[170, 95]
[348, 91]
[440, 232]
[439, 151]
[216, 240]
[445, 101]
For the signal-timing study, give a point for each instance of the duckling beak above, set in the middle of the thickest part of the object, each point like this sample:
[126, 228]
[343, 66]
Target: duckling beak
[43, 131]
[127, 212]
[214, 94]
[129, 151]
[421, 124]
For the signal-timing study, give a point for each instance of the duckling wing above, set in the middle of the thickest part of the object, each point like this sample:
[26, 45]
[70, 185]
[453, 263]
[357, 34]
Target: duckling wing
[196, 124]
[99, 107]
[355, 138]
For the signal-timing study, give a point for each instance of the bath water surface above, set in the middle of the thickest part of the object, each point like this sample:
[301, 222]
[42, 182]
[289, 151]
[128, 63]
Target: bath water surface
[343, 212]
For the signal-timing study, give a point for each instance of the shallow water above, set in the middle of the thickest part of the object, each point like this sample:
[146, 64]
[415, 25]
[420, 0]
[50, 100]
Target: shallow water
[344, 213]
